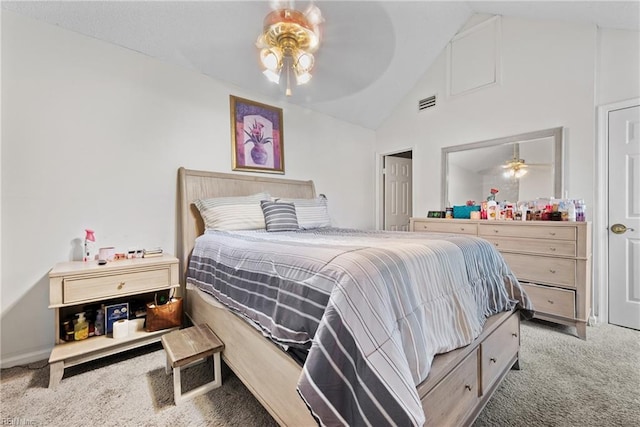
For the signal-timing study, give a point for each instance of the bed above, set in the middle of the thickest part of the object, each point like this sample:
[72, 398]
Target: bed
[458, 384]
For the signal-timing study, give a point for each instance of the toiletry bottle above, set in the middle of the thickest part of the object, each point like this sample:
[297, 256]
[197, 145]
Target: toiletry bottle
[571, 210]
[99, 325]
[81, 328]
[89, 245]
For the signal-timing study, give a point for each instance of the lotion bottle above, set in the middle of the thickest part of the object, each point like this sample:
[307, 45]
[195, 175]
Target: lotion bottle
[81, 328]
[99, 324]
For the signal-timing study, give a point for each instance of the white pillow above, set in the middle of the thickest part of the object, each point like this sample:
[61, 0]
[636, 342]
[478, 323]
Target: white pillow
[233, 213]
[311, 213]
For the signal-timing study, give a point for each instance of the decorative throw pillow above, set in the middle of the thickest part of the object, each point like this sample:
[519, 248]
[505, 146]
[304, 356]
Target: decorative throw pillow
[311, 213]
[279, 216]
[233, 213]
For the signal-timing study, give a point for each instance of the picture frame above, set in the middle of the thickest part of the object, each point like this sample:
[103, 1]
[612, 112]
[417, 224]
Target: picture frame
[257, 141]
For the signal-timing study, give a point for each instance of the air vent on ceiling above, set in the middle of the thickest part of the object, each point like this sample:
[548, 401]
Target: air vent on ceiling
[425, 103]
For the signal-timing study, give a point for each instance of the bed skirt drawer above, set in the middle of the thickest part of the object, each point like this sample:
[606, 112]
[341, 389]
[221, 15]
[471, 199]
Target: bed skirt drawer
[450, 401]
[548, 300]
[499, 350]
[539, 269]
[114, 285]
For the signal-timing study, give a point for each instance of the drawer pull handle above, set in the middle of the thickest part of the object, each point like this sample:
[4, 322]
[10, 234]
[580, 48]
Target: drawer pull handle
[468, 387]
[493, 360]
[461, 228]
[121, 285]
[497, 245]
[495, 231]
[513, 334]
[552, 271]
[553, 233]
[552, 249]
[550, 301]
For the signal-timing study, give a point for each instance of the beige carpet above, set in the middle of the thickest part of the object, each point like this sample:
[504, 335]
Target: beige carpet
[564, 381]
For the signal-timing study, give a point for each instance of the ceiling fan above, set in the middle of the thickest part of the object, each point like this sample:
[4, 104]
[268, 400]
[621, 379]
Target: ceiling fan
[515, 167]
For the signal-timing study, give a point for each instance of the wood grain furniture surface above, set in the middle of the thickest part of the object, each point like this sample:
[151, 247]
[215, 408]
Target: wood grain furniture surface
[552, 260]
[456, 378]
[186, 346]
[74, 284]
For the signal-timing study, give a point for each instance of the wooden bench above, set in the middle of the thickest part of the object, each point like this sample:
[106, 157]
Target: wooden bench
[186, 346]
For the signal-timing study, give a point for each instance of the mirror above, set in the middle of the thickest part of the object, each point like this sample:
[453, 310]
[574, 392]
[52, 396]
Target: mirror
[521, 167]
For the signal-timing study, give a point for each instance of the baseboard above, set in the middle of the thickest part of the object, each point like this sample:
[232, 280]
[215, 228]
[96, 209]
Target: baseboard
[25, 358]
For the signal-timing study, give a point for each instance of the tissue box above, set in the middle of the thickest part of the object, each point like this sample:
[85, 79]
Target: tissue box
[464, 212]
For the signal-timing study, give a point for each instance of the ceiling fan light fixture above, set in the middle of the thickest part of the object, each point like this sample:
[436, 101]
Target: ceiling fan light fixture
[272, 76]
[304, 62]
[271, 59]
[288, 41]
[302, 78]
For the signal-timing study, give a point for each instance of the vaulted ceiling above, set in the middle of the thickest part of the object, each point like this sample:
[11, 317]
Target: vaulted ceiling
[372, 52]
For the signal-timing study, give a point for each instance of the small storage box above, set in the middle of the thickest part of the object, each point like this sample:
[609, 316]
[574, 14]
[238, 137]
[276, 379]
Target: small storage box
[464, 212]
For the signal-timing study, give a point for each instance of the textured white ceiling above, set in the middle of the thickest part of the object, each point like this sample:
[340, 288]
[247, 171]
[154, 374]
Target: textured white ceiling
[372, 53]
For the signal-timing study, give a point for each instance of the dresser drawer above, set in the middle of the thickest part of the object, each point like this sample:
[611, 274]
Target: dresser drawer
[499, 350]
[528, 231]
[86, 288]
[534, 246]
[451, 400]
[556, 301]
[446, 226]
[540, 269]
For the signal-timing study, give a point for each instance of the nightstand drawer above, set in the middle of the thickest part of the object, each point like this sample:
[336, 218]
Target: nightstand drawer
[539, 269]
[446, 226]
[114, 285]
[498, 350]
[530, 231]
[559, 302]
[534, 246]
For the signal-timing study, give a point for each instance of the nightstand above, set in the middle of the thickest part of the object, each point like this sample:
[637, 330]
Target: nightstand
[76, 284]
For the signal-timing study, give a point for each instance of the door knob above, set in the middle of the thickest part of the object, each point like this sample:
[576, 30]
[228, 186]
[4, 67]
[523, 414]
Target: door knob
[620, 228]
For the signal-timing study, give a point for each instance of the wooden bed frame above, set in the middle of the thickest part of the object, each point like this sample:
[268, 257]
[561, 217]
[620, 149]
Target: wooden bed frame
[458, 386]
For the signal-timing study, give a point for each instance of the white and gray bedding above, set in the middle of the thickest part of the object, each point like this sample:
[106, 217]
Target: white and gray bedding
[372, 308]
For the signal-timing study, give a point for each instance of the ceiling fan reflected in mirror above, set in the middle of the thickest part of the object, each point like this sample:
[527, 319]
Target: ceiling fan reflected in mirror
[515, 167]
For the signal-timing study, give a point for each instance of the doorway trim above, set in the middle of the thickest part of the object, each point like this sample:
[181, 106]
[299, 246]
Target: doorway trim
[601, 212]
[380, 183]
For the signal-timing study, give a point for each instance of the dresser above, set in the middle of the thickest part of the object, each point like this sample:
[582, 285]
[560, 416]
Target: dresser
[552, 261]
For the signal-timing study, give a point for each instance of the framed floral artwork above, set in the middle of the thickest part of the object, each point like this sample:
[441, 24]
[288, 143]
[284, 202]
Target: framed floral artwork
[256, 136]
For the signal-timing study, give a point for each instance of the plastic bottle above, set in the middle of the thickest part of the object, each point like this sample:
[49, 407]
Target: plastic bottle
[89, 245]
[571, 211]
[81, 328]
[492, 210]
[99, 324]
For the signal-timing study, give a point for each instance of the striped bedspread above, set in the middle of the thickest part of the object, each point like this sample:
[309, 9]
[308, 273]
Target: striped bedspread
[373, 308]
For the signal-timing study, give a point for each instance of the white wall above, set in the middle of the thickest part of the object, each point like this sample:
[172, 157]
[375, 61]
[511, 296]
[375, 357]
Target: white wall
[93, 135]
[548, 80]
[618, 66]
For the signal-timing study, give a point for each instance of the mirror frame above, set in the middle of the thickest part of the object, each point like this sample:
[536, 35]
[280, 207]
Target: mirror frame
[558, 143]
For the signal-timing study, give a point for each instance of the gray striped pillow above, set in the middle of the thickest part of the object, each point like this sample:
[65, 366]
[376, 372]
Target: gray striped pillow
[233, 213]
[311, 213]
[279, 216]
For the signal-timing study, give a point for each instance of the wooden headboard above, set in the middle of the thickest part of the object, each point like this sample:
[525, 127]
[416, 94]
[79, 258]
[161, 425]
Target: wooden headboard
[194, 185]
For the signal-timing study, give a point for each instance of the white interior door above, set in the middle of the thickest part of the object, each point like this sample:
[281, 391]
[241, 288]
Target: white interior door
[624, 217]
[397, 193]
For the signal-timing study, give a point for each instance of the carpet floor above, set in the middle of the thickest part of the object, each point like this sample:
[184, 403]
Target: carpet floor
[563, 381]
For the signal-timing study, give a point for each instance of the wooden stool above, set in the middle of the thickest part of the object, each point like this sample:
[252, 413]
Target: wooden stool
[189, 345]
